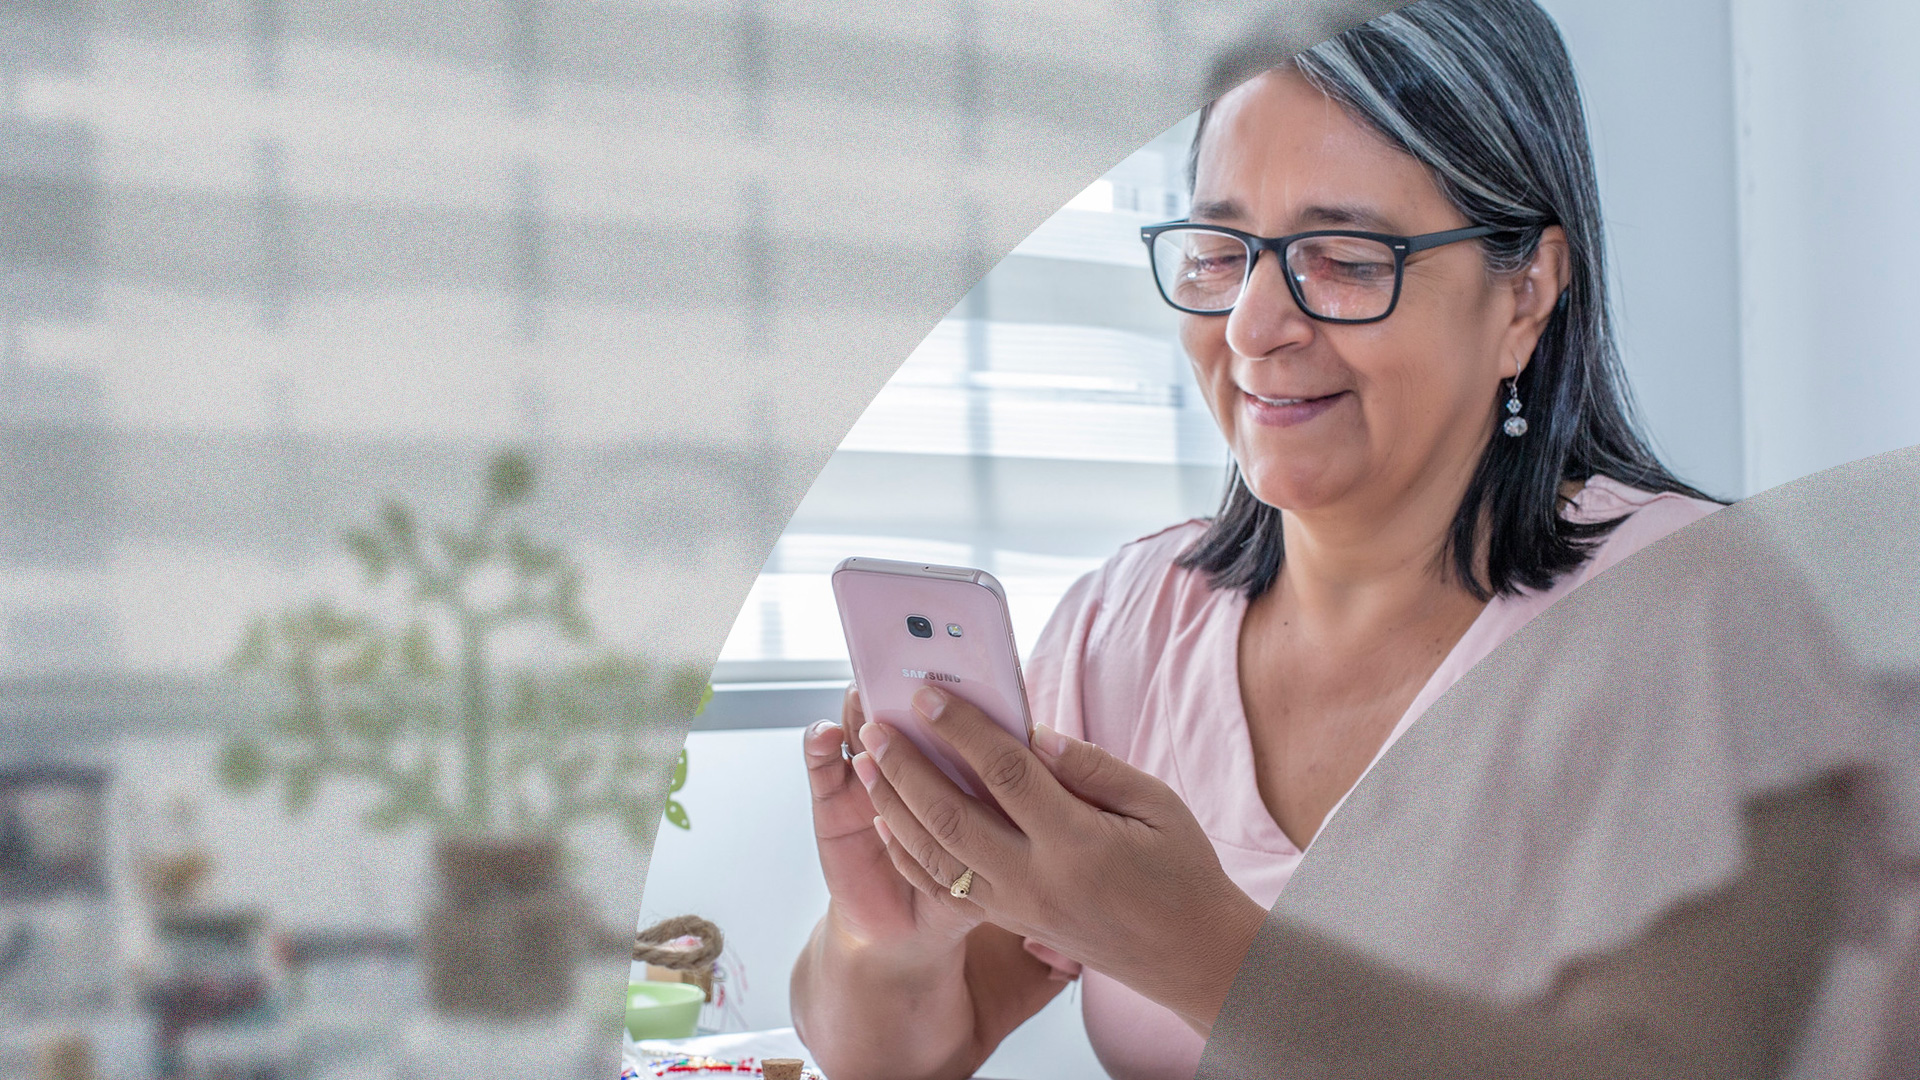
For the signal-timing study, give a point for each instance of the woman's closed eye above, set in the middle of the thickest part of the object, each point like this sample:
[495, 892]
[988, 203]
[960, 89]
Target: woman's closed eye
[1213, 267]
[1343, 261]
[1358, 273]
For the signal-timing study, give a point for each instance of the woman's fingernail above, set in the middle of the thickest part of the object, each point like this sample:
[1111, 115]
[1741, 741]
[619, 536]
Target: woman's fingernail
[1048, 741]
[819, 728]
[880, 826]
[874, 737]
[928, 702]
[866, 770]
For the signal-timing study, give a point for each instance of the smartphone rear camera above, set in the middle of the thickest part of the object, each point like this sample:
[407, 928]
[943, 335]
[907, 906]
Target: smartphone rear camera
[918, 626]
[953, 629]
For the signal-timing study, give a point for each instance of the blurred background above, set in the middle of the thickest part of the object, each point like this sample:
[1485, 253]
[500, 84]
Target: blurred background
[398, 402]
[334, 483]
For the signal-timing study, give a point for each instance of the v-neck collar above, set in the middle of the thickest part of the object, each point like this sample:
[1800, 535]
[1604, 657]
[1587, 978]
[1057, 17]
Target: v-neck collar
[1208, 754]
[1261, 831]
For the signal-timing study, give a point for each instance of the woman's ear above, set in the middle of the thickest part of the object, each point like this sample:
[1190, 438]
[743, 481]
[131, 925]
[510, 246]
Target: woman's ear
[1538, 288]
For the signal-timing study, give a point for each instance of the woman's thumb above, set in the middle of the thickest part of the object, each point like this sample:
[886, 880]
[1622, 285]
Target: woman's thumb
[1095, 775]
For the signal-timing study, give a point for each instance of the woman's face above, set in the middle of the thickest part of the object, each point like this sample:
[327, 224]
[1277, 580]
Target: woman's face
[1365, 417]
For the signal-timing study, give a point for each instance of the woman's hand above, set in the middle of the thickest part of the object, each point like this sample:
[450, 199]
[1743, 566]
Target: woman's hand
[870, 903]
[1093, 857]
[891, 984]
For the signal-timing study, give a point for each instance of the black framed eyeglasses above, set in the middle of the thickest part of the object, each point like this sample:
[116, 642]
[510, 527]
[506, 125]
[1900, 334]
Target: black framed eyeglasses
[1335, 275]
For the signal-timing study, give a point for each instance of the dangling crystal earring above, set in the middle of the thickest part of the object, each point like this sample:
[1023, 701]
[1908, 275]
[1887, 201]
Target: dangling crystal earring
[1516, 424]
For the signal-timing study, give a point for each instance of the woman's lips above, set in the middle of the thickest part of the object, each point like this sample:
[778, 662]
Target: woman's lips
[1286, 412]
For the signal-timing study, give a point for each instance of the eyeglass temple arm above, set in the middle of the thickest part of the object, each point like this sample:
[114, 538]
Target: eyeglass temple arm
[1451, 236]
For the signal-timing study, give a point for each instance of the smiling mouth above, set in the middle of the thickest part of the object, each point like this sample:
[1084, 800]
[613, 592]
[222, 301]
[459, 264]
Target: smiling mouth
[1278, 402]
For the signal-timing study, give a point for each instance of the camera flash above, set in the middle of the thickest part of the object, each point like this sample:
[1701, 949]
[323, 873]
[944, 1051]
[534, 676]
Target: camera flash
[953, 629]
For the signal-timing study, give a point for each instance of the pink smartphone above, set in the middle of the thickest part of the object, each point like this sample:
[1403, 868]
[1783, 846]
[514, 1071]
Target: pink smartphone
[914, 624]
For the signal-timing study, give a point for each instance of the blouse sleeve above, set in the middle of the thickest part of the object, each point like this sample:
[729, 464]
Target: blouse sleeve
[1053, 676]
[1053, 668]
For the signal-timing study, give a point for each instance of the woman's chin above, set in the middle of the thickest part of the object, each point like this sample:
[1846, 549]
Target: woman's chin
[1295, 494]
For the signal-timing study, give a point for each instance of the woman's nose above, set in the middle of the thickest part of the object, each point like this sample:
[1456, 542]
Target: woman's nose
[1266, 317]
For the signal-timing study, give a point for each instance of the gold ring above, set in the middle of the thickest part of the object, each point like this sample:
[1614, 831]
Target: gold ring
[958, 890]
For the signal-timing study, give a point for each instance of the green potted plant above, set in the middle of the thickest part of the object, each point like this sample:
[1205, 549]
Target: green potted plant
[498, 751]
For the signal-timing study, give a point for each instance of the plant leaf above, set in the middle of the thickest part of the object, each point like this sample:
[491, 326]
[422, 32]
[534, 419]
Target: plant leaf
[686, 689]
[244, 764]
[302, 779]
[371, 722]
[386, 817]
[375, 557]
[529, 558]
[452, 545]
[303, 721]
[363, 666]
[256, 647]
[677, 814]
[509, 479]
[634, 819]
[399, 523]
[418, 657]
[331, 626]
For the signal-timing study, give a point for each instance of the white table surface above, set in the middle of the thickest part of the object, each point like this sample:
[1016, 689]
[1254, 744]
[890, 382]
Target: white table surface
[772, 1043]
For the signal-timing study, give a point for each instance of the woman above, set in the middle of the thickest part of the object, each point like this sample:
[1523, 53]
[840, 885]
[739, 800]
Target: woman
[1416, 378]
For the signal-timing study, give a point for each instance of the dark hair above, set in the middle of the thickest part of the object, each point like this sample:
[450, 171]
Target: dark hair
[1482, 92]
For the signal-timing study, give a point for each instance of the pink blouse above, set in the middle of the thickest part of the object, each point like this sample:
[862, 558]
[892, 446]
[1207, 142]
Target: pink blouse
[1141, 657]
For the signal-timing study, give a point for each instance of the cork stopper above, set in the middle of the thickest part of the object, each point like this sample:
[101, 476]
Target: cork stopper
[781, 1068]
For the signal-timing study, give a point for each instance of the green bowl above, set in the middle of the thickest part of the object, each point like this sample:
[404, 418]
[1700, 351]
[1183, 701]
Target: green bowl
[663, 1010]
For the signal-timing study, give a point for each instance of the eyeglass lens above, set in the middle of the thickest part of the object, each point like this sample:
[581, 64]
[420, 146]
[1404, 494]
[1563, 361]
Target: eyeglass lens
[1339, 277]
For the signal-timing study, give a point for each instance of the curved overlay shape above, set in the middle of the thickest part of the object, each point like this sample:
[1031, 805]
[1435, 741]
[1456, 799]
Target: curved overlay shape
[1669, 828]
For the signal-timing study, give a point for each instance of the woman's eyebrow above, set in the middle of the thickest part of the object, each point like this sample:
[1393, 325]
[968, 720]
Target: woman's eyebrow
[1341, 215]
[1215, 210]
[1332, 215]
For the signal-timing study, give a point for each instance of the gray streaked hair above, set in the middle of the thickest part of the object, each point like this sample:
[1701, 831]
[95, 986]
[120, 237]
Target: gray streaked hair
[1481, 92]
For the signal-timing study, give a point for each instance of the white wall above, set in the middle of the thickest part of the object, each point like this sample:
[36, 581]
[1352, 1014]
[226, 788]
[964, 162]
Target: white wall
[1829, 152]
[1658, 85]
[1758, 167]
